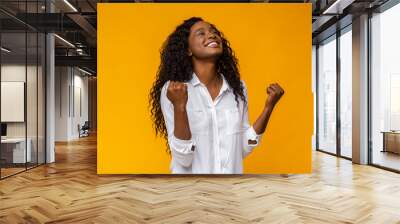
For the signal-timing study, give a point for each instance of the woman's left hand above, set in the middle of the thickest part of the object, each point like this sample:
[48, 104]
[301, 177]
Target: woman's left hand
[275, 92]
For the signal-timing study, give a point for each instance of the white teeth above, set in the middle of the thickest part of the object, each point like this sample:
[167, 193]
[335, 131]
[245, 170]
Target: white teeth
[212, 44]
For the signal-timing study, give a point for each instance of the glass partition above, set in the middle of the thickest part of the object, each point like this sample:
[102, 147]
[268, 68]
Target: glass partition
[22, 78]
[14, 153]
[327, 95]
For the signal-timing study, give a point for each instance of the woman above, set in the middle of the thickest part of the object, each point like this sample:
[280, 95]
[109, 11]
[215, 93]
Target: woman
[199, 103]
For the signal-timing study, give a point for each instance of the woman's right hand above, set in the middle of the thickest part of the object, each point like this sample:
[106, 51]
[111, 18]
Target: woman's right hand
[177, 94]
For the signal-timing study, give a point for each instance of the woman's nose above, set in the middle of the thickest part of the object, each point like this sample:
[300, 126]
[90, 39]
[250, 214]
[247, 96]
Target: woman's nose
[211, 35]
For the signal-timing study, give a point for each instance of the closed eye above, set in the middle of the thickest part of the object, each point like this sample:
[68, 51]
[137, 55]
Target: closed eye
[200, 33]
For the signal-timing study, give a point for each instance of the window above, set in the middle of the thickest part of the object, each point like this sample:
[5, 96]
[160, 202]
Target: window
[346, 93]
[385, 88]
[327, 95]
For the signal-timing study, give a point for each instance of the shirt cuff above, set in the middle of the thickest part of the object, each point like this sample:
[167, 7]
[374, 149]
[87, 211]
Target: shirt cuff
[183, 146]
[182, 150]
[252, 135]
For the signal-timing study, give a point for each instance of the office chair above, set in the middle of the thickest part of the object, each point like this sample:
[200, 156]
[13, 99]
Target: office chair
[84, 130]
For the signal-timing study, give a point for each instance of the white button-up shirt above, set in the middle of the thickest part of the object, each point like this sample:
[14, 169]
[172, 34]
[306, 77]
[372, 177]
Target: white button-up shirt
[220, 131]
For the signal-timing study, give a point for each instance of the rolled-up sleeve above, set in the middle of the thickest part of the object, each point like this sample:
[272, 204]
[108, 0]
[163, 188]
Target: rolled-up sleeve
[250, 138]
[182, 150]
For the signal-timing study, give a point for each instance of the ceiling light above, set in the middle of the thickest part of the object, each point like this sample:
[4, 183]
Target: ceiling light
[70, 5]
[79, 51]
[64, 40]
[337, 7]
[84, 71]
[5, 50]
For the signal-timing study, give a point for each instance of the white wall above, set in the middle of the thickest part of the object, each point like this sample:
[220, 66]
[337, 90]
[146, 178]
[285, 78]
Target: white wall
[71, 93]
[62, 81]
[80, 84]
[16, 72]
[13, 101]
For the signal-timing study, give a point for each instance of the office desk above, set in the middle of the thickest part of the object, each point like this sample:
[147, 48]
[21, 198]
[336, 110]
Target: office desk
[13, 150]
[391, 141]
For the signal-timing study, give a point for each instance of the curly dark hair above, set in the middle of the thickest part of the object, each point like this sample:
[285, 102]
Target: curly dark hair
[176, 65]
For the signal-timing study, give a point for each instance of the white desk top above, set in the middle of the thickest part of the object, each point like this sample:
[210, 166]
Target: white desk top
[13, 140]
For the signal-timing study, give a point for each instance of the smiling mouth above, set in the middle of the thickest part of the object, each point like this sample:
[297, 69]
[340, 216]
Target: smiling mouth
[213, 44]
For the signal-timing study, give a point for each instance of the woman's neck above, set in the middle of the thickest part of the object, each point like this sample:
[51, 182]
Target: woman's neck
[206, 71]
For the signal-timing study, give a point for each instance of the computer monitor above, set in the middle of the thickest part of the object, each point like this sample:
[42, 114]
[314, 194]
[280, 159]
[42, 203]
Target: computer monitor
[3, 129]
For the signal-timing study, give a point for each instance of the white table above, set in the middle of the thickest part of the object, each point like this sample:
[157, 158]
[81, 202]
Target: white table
[18, 149]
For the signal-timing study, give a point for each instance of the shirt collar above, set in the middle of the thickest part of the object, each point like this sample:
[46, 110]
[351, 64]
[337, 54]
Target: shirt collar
[196, 81]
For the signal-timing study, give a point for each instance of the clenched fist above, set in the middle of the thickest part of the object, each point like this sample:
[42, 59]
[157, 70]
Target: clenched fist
[275, 92]
[177, 94]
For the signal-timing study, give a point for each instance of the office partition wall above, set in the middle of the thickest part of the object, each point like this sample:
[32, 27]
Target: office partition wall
[14, 145]
[22, 77]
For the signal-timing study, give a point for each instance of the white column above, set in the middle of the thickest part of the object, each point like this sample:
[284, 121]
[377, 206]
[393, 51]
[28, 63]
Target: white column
[50, 100]
[50, 92]
[360, 90]
[62, 103]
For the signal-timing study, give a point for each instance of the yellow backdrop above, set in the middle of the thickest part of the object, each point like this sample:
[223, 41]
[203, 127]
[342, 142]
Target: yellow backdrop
[273, 44]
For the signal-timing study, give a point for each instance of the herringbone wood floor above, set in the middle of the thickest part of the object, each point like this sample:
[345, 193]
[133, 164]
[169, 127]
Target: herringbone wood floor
[69, 191]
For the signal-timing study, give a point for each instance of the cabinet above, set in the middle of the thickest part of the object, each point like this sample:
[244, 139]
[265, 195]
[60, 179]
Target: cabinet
[391, 142]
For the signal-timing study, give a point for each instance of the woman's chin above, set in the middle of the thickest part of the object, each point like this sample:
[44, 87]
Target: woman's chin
[211, 55]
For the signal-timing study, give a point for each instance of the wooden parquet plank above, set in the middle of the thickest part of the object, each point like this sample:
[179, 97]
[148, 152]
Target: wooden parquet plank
[70, 191]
